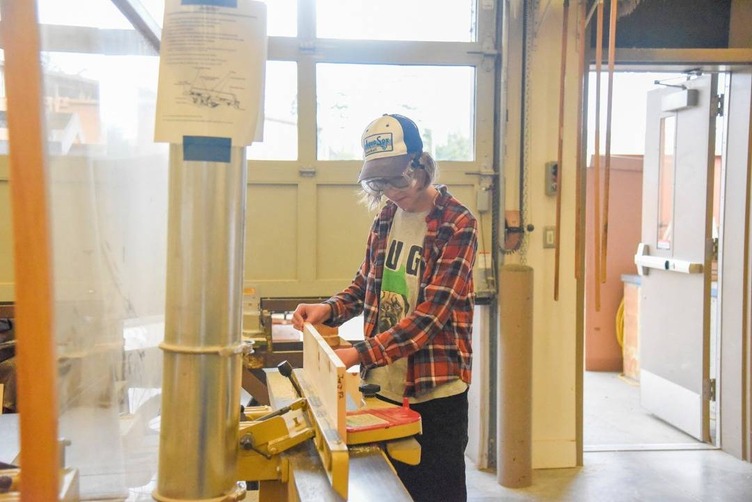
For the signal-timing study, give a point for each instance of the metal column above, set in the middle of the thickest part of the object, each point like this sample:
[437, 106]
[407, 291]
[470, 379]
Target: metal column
[202, 345]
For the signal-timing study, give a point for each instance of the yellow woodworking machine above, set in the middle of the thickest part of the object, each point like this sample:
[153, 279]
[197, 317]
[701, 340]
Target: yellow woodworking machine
[311, 403]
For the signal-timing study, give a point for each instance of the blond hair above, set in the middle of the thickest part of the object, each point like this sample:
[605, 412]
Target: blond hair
[422, 162]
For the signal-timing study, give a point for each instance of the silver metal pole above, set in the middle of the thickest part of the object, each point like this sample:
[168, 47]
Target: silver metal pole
[202, 361]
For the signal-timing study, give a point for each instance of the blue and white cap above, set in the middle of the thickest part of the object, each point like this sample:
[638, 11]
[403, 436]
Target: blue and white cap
[389, 142]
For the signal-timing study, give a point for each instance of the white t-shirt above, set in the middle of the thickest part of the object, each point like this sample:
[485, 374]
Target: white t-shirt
[400, 283]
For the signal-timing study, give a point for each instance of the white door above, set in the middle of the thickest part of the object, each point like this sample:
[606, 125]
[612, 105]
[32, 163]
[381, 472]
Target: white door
[675, 256]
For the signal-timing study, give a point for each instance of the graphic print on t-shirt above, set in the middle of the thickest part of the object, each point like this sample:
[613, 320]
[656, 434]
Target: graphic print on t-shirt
[402, 266]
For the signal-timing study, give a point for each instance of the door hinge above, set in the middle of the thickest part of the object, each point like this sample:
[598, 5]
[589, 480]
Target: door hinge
[709, 389]
[719, 104]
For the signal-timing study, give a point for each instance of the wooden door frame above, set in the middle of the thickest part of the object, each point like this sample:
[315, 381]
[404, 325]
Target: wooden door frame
[736, 436]
[735, 243]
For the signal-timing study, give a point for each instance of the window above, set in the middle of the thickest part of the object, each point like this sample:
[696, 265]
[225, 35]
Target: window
[280, 135]
[331, 69]
[666, 170]
[416, 20]
[351, 95]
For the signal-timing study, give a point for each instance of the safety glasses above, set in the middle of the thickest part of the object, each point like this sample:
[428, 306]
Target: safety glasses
[379, 185]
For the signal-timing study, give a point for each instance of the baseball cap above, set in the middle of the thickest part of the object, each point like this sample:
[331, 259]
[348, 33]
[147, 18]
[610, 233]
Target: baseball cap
[388, 143]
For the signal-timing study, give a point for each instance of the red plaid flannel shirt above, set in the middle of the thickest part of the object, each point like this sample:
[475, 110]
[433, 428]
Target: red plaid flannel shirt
[436, 336]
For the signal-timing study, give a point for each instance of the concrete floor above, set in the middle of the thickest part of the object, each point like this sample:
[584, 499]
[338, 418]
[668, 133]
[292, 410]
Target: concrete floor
[629, 456]
[631, 476]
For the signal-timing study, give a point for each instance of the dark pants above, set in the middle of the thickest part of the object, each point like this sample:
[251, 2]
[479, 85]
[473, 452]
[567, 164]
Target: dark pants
[441, 472]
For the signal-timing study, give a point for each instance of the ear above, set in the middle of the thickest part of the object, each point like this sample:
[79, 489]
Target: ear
[423, 178]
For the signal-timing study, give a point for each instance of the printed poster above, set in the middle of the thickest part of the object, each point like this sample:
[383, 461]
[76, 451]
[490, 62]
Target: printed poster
[211, 70]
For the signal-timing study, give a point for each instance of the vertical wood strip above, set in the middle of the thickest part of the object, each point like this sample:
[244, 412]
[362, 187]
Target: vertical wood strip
[560, 152]
[35, 358]
[597, 159]
[609, 108]
[580, 164]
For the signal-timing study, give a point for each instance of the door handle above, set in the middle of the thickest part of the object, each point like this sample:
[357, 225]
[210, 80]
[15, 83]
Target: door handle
[645, 262]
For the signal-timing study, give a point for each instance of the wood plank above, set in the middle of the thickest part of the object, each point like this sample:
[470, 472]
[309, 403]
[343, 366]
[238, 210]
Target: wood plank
[35, 349]
[322, 379]
[325, 373]
[322, 383]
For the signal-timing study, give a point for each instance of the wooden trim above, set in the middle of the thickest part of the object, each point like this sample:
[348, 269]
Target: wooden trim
[35, 358]
[662, 59]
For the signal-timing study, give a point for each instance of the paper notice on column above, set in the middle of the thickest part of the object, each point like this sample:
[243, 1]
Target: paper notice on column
[211, 70]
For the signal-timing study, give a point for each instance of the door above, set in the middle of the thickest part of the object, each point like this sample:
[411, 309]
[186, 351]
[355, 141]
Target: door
[675, 255]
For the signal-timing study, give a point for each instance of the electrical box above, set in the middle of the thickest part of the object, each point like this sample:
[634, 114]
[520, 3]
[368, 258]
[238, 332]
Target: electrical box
[483, 200]
[552, 178]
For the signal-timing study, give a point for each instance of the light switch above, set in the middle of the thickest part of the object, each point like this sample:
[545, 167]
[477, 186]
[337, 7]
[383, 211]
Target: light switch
[549, 237]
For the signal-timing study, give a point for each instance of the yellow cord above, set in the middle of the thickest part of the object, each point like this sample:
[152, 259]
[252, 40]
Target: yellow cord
[620, 324]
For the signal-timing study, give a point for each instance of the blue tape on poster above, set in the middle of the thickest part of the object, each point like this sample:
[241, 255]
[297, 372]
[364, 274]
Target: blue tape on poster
[206, 149]
[218, 3]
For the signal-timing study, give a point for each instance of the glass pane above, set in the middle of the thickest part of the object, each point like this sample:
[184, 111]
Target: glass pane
[90, 13]
[349, 96]
[108, 219]
[628, 109]
[280, 114]
[108, 196]
[155, 9]
[282, 15]
[666, 173]
[281, 18]
[416, 20]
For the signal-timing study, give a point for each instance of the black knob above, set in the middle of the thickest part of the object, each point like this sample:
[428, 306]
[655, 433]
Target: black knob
[369, 389]
[285, 368]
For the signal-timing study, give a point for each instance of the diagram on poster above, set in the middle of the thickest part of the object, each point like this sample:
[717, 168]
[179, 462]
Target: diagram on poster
[212, 92]
[211, 70]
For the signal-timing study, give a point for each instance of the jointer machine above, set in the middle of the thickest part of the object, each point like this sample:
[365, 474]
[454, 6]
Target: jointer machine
[323, 436]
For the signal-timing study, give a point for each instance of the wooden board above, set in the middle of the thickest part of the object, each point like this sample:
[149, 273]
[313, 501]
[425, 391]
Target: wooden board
[325, 373]
[322, 380]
